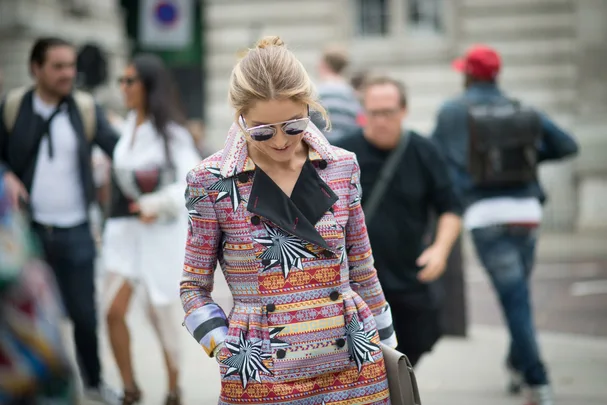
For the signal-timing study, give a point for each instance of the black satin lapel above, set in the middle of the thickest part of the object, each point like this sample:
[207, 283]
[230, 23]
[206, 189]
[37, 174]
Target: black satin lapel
[268, 201]
[312, 195]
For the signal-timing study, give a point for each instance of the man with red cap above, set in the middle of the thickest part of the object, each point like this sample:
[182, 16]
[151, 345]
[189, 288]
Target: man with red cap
[493, 145]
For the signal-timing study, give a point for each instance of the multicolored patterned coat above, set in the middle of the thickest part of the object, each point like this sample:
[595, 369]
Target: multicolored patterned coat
[309, 311]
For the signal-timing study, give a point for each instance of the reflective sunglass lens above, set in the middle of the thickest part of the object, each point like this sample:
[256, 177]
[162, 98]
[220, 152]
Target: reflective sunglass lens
[295, 128]
[262, 134]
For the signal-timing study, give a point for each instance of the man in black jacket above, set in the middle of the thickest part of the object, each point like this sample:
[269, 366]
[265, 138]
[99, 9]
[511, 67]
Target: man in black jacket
[407, 261]
[45, 160]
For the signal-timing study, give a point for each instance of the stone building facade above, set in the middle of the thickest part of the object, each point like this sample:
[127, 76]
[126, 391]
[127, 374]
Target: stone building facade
[553, 53]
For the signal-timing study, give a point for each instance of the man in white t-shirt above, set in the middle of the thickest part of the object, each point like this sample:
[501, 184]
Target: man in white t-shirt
[45, 162]
[493, 146]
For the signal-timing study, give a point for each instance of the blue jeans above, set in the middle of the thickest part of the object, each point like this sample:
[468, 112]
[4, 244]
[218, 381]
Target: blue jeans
[507, 253]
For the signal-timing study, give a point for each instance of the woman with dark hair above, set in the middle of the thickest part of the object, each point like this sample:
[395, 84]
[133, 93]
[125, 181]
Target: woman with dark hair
[146, 229]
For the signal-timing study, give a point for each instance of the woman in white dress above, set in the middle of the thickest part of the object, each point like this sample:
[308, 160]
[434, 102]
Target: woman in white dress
[147, 226]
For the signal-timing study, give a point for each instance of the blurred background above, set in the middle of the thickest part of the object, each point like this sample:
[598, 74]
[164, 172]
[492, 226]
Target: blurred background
[554, 57]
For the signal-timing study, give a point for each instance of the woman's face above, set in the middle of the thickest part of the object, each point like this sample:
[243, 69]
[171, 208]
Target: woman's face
[281, 147]
[132, 88]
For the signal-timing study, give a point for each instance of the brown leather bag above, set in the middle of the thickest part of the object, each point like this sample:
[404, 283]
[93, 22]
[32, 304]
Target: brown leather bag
[401, 378]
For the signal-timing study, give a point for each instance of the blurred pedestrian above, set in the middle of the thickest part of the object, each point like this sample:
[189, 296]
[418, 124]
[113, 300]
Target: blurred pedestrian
[358, 81]
[35, 368]
[404, 179]
[494, 145]
[336, 94]
[146, 229]
[279, 209]
[46, 136]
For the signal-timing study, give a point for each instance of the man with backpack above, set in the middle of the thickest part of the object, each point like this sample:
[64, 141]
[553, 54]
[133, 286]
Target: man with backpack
[46, 136]
[493, 146]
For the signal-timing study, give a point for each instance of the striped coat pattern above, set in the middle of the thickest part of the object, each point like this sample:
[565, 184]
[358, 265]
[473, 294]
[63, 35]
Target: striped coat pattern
[309, 312]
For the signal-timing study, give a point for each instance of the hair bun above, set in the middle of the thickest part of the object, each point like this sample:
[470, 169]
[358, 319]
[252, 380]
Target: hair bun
[269, 41]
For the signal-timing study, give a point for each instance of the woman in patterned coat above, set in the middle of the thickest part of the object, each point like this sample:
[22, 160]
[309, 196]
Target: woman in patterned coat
[279, 208]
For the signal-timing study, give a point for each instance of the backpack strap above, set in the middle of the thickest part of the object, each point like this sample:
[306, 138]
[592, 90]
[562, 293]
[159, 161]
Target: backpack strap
[12, 103]
[86, 107]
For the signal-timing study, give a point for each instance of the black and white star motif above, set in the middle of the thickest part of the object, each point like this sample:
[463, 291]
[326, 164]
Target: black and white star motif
[227, 188]
[359, 342]
[276, 343]
[283, 249]
[191, 206]
[246, 360]
[359, 193]
[344, 254]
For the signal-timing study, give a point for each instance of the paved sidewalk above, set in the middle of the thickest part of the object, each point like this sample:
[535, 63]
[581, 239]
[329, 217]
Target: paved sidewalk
[458, 372]
[468, 371]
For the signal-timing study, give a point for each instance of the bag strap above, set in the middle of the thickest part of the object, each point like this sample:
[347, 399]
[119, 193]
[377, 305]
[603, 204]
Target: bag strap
[385, 178]
[86, 107]
[84, 101]
[12, 103]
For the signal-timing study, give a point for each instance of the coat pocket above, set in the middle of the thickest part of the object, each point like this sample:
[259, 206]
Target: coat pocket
[244, 356]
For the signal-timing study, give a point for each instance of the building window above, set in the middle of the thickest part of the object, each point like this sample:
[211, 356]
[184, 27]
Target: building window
[372, 18]
[425, 16]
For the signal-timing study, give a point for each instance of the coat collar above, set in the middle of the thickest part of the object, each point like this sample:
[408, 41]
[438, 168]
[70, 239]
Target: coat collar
[235, 157]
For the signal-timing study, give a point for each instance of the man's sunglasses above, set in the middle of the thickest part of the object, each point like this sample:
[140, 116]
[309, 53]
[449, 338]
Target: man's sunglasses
[267, 131]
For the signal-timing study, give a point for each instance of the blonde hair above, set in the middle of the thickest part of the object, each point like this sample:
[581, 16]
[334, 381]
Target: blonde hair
[269, 72]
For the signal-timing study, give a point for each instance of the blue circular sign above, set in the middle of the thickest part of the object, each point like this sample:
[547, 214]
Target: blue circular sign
[166, 13]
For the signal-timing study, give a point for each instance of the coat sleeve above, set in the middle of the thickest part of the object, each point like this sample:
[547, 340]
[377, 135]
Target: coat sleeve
[363, 276]
[204, 319]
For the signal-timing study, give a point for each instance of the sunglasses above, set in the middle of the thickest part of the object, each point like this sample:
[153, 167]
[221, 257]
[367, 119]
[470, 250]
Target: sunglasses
[266, 132]
[129, 81]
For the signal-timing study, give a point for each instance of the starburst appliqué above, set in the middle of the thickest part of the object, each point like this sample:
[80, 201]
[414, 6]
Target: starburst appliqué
[284, 249]
[359, 342]
[359, 193]
[191, 207]
[246, 360]
[275, 342]
[227, 187]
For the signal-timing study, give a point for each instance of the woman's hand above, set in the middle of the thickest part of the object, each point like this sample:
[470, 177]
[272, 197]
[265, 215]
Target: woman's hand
[146, 218]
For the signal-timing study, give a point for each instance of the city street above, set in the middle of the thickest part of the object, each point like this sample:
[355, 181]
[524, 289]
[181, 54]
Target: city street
[469, 371]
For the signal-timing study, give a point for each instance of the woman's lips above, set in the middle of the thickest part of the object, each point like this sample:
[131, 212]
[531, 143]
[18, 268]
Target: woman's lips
[283, 149]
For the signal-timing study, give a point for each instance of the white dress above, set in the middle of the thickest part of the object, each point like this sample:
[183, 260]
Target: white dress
[150, 254]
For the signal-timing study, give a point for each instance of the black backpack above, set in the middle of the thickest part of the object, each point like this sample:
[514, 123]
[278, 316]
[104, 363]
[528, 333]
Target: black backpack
[503, 144]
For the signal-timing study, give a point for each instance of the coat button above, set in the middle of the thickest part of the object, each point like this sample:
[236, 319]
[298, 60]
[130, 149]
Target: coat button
[255, 220]
[280, 353]
[322, 164]
[243, 177]
[271, 307]
[341, 342]
[334, 295]
[266, 262]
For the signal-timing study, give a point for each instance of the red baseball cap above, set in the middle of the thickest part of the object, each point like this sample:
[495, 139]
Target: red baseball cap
[481, 62]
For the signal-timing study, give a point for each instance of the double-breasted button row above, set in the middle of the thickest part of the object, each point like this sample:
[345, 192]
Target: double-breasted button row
[281, 353]
[322, 165]
[255, 220]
